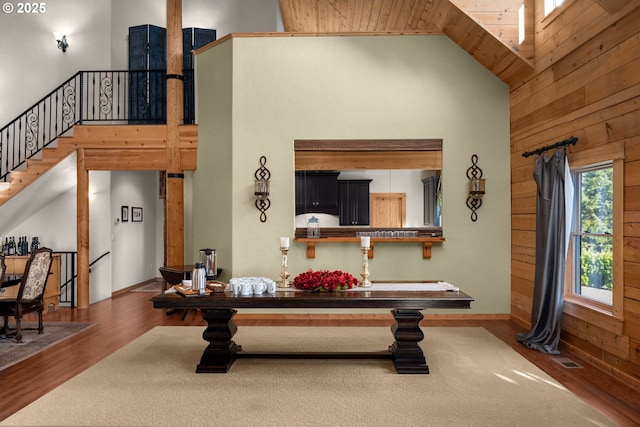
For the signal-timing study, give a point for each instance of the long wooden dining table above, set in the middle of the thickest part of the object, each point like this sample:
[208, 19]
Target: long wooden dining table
[218, 310]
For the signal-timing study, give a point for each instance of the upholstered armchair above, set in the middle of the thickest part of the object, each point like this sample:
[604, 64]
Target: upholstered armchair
[30, 297]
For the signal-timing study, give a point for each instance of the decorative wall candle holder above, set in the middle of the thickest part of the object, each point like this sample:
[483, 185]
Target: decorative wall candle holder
[261, 189]
[476, 187]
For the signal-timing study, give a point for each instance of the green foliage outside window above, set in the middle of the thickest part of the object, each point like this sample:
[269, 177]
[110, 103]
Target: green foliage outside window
[596, 259]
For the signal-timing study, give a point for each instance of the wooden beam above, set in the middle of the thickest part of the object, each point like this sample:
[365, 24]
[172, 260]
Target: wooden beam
[138, 159]
[96, 136]
[174, 200]
[82, 230]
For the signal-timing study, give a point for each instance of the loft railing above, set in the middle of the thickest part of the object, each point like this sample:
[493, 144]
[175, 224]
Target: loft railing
[108, 97]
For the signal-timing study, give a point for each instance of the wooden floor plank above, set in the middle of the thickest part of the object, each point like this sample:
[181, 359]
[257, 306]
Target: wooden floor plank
[124, 318]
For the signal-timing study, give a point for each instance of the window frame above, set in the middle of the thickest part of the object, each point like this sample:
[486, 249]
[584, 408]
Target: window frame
[614, 154]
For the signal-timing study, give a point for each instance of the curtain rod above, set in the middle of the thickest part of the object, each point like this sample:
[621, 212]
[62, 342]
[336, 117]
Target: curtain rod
[571, 140]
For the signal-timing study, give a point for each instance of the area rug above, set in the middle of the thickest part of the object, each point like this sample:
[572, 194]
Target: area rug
[475, 380]
[12, 352]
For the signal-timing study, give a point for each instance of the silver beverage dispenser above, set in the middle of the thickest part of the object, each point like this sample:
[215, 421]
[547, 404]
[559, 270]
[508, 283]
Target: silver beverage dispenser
[208, 260]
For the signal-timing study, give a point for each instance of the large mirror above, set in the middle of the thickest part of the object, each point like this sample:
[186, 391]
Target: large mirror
[381, 184]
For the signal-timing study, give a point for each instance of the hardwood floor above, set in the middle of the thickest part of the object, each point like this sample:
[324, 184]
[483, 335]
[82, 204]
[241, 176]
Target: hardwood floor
[125, 317]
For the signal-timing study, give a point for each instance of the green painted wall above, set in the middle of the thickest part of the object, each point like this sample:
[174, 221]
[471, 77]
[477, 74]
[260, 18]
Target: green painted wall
[256, 95]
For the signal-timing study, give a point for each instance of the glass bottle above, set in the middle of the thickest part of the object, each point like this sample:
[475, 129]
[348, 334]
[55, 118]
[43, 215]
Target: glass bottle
[313, 227]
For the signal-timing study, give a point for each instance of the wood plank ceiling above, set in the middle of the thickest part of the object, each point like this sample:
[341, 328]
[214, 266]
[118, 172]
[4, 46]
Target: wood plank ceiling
[487, 29]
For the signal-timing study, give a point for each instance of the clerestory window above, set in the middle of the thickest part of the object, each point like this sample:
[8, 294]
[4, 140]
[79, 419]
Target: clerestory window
[550, 5]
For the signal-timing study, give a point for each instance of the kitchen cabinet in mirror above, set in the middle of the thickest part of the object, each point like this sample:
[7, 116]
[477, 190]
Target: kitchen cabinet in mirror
[353, 201]
[317, 192]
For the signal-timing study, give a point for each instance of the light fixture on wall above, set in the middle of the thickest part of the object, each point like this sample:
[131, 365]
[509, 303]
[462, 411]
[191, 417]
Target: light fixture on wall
[476, 187]
[261, 189]
[61, 41]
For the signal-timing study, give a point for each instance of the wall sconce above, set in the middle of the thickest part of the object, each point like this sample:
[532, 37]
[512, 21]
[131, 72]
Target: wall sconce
[61, 41]
[261, 189]
[476, 187]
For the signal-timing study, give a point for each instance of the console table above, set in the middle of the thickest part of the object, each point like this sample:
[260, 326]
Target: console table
[218, 310]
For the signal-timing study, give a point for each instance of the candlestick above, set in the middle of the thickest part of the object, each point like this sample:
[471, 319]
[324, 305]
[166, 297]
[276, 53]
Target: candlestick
[365, 283]
[284, 242]
[284, 274]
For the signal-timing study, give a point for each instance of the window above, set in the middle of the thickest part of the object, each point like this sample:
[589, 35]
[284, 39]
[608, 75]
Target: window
[550, 5]
[592, 233]
[521, 24]
[594, 264]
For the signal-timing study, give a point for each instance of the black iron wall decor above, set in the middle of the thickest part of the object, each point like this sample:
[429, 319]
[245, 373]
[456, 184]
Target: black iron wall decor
[476, 187]
[261, 188]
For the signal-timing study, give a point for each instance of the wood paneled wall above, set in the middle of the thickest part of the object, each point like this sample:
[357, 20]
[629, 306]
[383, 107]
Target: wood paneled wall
[586, 83]
[500, 18]
[461, 20]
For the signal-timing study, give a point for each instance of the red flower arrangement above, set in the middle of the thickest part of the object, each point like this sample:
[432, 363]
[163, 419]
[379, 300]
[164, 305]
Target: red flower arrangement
[325, 281]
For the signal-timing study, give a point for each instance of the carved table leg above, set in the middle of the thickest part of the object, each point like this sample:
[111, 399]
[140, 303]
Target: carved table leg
[221, 351]
[407, 355]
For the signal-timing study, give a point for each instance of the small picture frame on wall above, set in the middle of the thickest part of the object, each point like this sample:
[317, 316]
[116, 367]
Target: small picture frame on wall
[124, 213]
[136, 214]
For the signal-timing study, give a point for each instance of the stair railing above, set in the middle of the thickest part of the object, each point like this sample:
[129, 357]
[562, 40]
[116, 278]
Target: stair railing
[110, 97]
[69, 276]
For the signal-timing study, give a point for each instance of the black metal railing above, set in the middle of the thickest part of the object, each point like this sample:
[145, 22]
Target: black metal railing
[113, 97]
[69, 276]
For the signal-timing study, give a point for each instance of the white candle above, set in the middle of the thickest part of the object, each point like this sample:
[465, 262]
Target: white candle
[364, 241]
[284, 242]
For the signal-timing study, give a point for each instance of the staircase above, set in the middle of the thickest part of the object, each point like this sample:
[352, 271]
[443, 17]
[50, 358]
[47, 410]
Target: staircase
[124, 113]
[33, 169]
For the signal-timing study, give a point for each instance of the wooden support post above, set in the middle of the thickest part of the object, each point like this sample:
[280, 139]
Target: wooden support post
[174, 201]
[82, 231]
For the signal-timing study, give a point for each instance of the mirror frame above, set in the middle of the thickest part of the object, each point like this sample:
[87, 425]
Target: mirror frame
[352, 154]
[341, 154]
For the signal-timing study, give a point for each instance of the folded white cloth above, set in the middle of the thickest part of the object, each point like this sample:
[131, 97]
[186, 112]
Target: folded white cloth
[410, 286]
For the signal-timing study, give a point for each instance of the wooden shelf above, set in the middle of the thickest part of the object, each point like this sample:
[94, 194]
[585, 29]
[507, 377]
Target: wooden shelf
[427, 243]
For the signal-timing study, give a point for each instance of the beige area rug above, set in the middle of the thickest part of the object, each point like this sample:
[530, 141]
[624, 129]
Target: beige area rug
[475, 380]
[54, 332]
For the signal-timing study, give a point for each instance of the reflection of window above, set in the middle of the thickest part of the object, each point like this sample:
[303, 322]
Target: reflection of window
[550, 5]
[594, 264]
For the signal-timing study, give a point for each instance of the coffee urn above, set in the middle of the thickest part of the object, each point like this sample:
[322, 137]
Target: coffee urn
[208, 260]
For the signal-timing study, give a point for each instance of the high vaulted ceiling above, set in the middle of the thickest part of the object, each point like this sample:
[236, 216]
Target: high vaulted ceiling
[484, 29]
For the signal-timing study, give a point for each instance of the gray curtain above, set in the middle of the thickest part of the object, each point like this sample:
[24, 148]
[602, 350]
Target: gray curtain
[553, 219]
